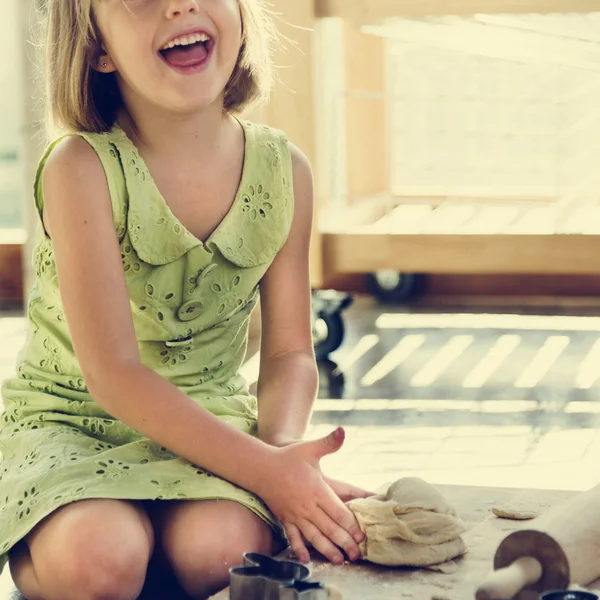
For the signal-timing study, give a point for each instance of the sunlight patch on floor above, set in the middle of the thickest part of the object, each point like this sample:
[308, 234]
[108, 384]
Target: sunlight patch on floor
[486, 321]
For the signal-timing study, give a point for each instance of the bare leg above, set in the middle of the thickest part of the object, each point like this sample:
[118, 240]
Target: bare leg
[88, 550]
[23, 573]
[202, 540]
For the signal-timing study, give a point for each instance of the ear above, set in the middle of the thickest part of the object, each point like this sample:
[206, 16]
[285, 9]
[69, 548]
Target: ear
[104, 64]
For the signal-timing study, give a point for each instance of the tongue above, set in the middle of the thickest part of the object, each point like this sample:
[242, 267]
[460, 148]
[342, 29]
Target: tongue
[186, 56]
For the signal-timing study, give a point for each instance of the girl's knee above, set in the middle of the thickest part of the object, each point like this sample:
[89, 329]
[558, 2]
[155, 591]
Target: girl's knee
[109, 572]
[202, 567]
[97, 552]
[204, 546]
[217, 532]
[102, 572]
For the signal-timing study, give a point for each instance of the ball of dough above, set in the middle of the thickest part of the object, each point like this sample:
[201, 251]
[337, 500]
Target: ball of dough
[412, 524]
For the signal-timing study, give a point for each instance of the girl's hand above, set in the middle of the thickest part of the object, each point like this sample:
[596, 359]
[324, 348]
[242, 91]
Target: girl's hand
[306, 505]
[345, 491]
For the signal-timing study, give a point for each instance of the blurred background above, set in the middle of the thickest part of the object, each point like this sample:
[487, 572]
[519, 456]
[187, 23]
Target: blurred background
[10, 115]
[456, 249]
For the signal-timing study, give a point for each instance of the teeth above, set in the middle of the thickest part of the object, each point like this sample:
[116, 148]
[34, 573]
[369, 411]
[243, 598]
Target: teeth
[187, 40]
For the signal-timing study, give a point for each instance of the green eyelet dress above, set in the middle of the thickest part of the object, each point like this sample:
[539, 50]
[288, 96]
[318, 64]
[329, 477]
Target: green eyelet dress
[191, 303]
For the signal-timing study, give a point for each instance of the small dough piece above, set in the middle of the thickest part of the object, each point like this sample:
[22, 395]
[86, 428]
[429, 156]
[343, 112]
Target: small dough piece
[446, 567]
[412, 524]
[514, 514]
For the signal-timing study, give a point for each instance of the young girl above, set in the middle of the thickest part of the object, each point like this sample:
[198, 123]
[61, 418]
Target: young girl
[128, 434]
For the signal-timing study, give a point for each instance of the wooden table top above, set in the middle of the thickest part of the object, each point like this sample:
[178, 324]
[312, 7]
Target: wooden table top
[364, 581]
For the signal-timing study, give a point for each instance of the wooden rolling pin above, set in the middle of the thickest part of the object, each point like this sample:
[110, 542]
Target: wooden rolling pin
[561, 548]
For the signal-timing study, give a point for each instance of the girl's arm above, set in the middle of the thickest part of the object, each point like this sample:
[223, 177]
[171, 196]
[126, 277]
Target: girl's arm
[287, 386]
[78, 217]
[288, 380]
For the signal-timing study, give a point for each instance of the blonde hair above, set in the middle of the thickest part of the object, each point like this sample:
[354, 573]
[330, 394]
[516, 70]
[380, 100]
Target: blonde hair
[78, 98]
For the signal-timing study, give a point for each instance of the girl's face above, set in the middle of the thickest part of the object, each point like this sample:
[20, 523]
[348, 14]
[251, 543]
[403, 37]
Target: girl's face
[177, 55]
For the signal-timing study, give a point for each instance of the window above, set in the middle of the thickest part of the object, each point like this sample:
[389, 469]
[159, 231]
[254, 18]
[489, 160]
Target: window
[10, 174]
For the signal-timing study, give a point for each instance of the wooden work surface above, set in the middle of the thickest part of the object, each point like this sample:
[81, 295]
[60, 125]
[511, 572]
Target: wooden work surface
[485, 531]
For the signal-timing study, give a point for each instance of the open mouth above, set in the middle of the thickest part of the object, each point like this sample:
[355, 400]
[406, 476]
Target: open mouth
[188, 51]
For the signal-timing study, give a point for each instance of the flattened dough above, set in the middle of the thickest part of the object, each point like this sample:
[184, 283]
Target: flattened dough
[514, 514]
[412, 524]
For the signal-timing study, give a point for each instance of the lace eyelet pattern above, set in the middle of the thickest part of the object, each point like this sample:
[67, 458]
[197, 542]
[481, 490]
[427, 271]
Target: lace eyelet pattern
[190, 303]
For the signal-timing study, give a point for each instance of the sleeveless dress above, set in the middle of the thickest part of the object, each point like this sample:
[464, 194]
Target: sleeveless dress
[191, 303]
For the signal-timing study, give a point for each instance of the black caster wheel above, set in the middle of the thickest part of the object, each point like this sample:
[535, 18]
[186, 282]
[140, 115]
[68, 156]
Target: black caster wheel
[328, 333]
[391, 287]
[331, 381]
[327, 321]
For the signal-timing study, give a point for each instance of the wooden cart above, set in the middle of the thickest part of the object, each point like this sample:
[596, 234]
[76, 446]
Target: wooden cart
[372, 238]
[374, 229]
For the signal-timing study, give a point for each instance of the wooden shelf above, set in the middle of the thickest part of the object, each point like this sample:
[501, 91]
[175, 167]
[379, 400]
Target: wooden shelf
[468, 238]
[462, 253]
[371, 12]
[383, 214]
[13, 237]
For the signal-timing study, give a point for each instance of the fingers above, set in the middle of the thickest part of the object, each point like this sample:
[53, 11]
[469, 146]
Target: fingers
[296, 542]
[343, 517]
[326, 536]
[338, 535]
[352, 493]
[321, 543]
[346, 492]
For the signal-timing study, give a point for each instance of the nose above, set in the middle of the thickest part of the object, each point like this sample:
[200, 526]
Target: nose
[176, 8]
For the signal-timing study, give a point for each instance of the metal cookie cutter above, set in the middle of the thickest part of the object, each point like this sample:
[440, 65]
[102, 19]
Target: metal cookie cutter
[262, 577]
[567, 595]
[304, 590]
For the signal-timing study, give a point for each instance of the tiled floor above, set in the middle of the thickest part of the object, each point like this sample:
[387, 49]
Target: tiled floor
[508, 400]
[453, 405]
